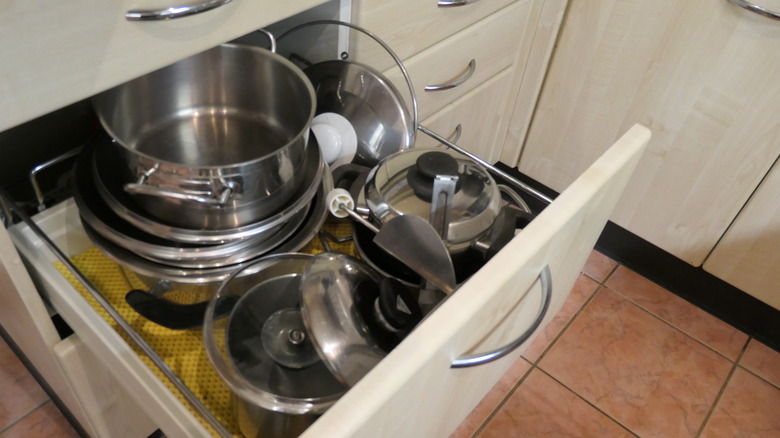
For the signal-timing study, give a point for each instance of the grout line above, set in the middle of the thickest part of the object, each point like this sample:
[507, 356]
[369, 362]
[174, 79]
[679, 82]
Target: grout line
[722, 390]
[22, 417]
[504, 400]
[590, 403]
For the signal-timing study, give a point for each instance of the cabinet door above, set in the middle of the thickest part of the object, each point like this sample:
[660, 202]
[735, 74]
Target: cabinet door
[414, 392]
[701, 74]
[54, 53]
[748, 255]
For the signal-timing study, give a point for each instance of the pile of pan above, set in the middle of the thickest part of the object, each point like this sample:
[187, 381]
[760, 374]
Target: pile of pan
[205, 165]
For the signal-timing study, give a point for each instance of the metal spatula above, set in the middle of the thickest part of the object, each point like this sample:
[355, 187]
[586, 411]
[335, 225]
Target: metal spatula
[410, 239]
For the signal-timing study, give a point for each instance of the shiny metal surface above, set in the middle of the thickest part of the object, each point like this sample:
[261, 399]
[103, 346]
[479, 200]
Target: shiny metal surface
[545, 278]
[331, 308]
[455, 3]
[173, 12]
[271, 399]
[371, 104]
[474, 207]
[110, 186]
[752, 7]
[460, 80]
[232, 117]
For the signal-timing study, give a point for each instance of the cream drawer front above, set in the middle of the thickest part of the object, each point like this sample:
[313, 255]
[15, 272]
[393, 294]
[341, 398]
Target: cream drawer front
[410, 26]
[478, 114]
[109, 409]
[54, 53]
[414, 391]
[491, 44]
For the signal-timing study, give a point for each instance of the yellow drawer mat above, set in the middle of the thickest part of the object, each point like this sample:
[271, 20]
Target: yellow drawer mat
[182, 350]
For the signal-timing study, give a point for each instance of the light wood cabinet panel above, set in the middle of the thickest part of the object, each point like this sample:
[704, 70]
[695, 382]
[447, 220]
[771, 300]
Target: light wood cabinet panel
[480, 116]
[748, 255]
[701, 74]
[54, 53]
[414, 392]
[492, 43]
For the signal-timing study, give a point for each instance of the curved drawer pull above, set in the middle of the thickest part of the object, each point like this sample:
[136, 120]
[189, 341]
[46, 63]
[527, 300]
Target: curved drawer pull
[456, 134]
[172, 12]
[752, 7]
[463, 78]
[478, 359]
[454, 3]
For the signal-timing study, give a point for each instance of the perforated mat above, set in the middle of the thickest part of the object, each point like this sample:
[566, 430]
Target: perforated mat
[182, 350]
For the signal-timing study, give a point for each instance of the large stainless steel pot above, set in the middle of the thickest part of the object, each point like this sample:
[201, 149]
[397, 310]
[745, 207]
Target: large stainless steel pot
[213, 141]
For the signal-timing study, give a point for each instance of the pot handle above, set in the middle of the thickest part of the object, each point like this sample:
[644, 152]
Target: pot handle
[172, 12]
[140, 188]
[271, 39]
[482, 358]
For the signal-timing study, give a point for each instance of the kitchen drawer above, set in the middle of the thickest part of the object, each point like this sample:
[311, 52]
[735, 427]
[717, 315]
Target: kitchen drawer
[480, 116]
[413, 391]
[54, 53]
[492, 44]
[410, 26]
[109, 409]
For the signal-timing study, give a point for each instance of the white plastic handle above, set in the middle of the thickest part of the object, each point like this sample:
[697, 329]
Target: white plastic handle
[336, 198]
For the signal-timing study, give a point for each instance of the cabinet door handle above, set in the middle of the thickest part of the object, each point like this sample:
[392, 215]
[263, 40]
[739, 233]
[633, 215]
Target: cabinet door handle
[482, 358]
[172, 12]
[454, 3]
[456, 134]
[458, 81]
[752, 7]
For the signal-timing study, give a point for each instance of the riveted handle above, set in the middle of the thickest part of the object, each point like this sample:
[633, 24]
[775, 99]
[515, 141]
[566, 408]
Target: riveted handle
[172, 12]
[210, 198]
[455, 3]
[752, 7]
[458, 81]
[482, 358]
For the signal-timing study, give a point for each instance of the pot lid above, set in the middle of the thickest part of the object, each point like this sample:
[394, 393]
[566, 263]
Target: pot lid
[403, 183]
[354, 315]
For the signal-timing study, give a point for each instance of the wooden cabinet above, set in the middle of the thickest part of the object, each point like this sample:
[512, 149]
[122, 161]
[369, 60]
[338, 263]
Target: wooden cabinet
[748, 255]
[413, 391]
[701, 74]
[54, 53]
[439, 45]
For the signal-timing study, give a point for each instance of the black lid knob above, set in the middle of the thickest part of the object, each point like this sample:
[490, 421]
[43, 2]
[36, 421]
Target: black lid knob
[428, 166]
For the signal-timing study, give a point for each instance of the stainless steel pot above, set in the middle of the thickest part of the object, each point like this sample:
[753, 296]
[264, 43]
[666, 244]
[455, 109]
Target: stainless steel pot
[213, 141]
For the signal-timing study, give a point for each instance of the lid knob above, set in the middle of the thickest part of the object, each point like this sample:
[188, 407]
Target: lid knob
[427, 167]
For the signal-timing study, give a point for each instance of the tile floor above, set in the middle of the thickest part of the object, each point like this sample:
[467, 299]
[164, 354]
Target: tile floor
[623, 358]
[626, 358]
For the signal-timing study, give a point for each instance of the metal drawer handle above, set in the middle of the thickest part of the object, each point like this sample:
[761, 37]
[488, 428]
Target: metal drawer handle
[456, 134]
[482, 358]
[454, 3]
[172, 12]
[463, 78]
[752, 7]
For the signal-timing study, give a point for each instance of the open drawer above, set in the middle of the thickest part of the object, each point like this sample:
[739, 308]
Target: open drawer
[414, 391]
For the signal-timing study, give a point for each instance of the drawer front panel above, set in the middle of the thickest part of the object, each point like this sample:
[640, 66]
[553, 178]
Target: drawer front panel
[410, 26]
[479, 115]
[491, 43]
[54, 53]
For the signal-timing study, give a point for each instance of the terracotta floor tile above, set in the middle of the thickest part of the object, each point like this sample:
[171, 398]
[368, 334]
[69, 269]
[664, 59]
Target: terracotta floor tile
[491, 401]
[749, 407]
[598, 266]
[648, 376]
[541, 407]
[762, 361]
[697, 323]
[20, 392]
[583, 288]
[45, 422]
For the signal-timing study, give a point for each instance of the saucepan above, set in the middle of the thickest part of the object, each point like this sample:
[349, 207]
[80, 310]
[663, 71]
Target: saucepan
[216, 140]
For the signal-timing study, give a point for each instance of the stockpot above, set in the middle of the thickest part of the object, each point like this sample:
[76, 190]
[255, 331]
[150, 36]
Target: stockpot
[213, 141]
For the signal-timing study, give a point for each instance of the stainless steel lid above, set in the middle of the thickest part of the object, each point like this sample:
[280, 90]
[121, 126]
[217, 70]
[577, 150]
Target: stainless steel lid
[402, 184]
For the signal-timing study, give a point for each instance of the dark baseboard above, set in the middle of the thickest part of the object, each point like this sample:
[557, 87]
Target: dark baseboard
[693, 284]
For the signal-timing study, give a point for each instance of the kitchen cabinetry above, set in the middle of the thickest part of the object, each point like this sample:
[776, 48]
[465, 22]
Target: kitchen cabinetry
[480, 42]
[748, 255]
[701, 74]
[54, 53]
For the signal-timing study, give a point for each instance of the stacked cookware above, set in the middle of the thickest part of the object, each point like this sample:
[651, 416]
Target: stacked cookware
[204, 166]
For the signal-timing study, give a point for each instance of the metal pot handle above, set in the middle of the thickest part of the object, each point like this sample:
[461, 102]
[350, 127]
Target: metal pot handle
[215, 197]
[172, 12]
[482, 358]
